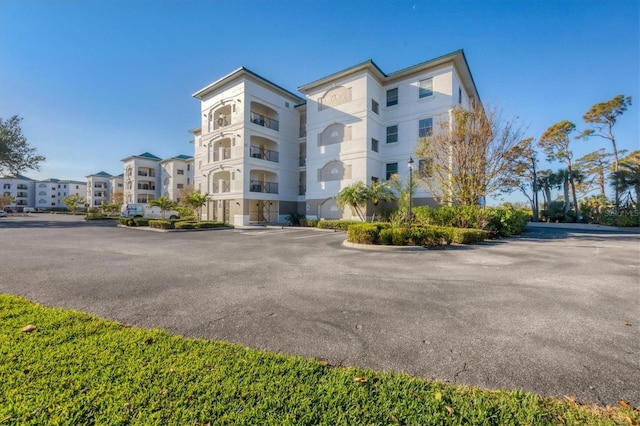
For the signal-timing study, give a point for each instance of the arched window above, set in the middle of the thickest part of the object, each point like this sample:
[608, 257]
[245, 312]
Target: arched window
[334, 170]
[335, 133]
[334, 97]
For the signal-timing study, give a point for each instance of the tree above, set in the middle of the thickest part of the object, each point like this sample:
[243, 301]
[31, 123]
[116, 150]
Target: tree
[16, 155]
[355, 196]
[555, 143]
[377, 192]
[116, 198]
[545, 183]
[627, 178]
[524, 173]
[604, 116]
[196, 200]
[164, 203]
[6, 200]
[593, 165]
[405, 192]
[465, 154]
[73, 201]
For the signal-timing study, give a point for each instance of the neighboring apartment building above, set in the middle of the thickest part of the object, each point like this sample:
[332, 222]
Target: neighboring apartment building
[101, 188]
[263, 152]
[50, 192]
[21, 188]
[147, 177]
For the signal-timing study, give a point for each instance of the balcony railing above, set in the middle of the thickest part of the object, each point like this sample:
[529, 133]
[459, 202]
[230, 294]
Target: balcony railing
[21, 195]
[224, 187]
[141, 173]
[264, 121]
[266, 187]
[22, 186]
[226, 154]
[303, 132]
[303, 160]
[264, 154]
[302, 189]
[100, 185]
[146, 187]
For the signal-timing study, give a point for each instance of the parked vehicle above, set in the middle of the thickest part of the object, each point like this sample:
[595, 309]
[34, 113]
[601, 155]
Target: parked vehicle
[3, 213]
[131, 210]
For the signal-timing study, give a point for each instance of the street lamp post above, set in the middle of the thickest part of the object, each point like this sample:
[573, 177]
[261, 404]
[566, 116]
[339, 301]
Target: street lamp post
[410, 164]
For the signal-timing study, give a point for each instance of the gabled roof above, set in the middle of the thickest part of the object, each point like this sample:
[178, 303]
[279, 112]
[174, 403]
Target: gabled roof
[16, 177]
[101, 174]
[245, 72]
[179, 157]
[144, 155]
[458, 58]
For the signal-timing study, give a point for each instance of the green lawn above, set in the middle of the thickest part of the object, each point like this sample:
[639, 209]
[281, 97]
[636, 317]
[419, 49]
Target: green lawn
[77, 369]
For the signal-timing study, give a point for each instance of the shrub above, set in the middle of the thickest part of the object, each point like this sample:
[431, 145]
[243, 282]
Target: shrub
[341, 225]
[498, 222]
[363, 233]
[184, 224]
[161, 224]
[468, 236]
[141, 221]
[122, 221]
[212, 224]
[310, 222]
[294, 218]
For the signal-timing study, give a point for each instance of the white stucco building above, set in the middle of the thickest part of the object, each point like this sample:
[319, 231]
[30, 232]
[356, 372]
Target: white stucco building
[21, 188]
[147, 177]
[102, 188]
[263, 152]
[50, 192]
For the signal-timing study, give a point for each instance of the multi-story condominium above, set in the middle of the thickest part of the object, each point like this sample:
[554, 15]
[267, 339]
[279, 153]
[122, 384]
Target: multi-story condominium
[102, 188]
[263, 152]
[364, 125]
[177, 176]
[147, 177]
[247, 149]
[50, 192]
[20, 188]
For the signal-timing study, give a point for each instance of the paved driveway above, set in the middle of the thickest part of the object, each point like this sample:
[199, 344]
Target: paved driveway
[553, 311]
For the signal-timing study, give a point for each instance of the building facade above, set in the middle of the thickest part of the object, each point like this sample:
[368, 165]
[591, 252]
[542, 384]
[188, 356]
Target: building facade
[21, 189]
[147, 177]
[263, 152]
[50, 192]
[103, 188]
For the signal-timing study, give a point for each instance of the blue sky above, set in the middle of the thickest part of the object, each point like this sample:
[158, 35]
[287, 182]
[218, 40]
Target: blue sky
[97, 81]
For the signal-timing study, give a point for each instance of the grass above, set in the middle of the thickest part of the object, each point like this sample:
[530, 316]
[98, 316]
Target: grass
[78, 369]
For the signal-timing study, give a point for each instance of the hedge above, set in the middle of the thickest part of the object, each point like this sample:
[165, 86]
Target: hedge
[498, 222]
[340, 225]
[141, 221]
[427, 236]
[160, 224]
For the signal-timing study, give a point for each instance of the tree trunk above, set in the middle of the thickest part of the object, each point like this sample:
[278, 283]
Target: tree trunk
[573, 190]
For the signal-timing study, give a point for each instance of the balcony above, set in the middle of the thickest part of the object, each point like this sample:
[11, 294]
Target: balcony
[22, 186]
[146, 187]
[265, 187]
[100, 185]
[264, 121]
[303, 132]
[222, 154]
[264, 154]
[303, 161]
[221, 187]
[302, 189]
[21, 195]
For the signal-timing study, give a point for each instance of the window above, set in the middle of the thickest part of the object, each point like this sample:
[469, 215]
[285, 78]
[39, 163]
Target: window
[392, 169]
[425, 127]
[180, 171]
[77, 187]
[459, 95]
[392, 97]
[392, 134]
[374, 179]
[180, 186]
[7, 186]
[425, 88]
[188, 166]
[374, 145]
[374, 106]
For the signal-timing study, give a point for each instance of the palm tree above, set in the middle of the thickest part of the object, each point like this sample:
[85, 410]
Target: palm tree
[195, 200]
[379, 191]
[164, 203]
[354, 196]
[627, 178]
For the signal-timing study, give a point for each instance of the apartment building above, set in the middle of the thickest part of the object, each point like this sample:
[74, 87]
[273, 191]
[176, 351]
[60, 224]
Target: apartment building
[50, 192]
[20, 188]
[147, 177]
[247, 149]
[364, 125]
[263, 152]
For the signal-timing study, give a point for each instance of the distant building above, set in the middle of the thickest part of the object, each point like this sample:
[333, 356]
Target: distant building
[147, 177]
[21, 188]
[50, 192]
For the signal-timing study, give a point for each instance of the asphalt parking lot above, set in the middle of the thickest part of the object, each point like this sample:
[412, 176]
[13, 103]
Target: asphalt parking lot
[553, 311]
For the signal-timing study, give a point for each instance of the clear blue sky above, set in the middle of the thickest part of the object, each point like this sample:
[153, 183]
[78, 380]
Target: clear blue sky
[97, 81]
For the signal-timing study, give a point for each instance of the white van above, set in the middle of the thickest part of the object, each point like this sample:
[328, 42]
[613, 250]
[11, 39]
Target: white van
[131, 210]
